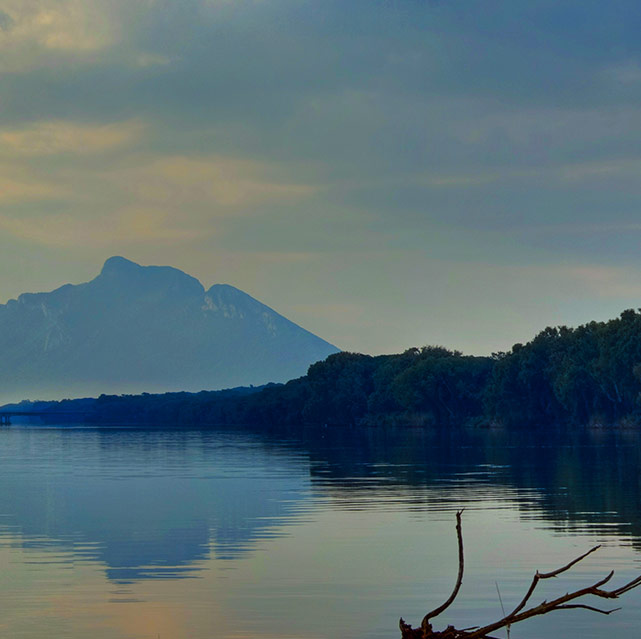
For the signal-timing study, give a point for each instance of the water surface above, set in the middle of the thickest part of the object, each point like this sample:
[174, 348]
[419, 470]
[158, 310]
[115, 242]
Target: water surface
[129, 534]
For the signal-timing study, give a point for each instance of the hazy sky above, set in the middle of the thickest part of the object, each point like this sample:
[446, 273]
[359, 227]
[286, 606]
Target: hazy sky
[386, 173]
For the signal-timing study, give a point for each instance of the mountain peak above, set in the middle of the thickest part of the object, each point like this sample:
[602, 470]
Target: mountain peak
[127, 275]
[118, 264]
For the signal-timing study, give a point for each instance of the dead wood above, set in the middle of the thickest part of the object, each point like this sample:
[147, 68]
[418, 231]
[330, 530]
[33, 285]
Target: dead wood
[518, 614]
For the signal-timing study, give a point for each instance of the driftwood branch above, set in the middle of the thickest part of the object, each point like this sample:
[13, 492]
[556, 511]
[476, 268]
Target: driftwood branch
[518, 614]
[459, 579]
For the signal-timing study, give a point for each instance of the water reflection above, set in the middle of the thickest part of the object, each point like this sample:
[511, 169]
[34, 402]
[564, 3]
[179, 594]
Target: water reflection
[146, 504]
[151, 504]
[339, 525]
[582, 482]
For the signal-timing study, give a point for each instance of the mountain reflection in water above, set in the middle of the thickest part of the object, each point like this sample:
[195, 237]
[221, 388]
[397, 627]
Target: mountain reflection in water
[160, 505]
[146, 504]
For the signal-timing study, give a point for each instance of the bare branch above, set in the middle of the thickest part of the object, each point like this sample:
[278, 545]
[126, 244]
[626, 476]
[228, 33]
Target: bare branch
[547, 575]
[558, 571]
[586, 607]
[459, 578]
[556, 604]
[631, 584]
[518, 614]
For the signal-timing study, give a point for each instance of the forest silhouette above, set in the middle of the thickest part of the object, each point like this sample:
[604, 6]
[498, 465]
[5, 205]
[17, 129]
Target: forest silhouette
[589, 375]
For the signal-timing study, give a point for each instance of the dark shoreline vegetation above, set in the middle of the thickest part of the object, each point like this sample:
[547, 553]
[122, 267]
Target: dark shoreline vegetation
[590, 375]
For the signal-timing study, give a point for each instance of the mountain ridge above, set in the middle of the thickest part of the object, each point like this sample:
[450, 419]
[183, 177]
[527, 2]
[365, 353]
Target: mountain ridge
[137, 328]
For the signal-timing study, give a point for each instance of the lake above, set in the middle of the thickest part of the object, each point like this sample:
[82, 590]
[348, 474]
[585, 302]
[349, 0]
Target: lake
[115, 533]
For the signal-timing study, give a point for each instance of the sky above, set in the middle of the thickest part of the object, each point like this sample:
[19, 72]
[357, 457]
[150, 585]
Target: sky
[385, 173]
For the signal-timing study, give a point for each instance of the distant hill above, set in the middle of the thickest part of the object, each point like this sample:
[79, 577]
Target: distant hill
[146, 328]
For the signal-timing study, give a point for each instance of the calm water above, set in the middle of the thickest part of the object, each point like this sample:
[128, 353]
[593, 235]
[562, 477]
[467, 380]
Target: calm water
[172, 534]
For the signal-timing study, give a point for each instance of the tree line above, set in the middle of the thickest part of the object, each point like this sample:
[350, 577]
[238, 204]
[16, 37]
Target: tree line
[564, 375]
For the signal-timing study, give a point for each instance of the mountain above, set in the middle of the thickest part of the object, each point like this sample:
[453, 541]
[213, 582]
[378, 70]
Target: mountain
[146, 328]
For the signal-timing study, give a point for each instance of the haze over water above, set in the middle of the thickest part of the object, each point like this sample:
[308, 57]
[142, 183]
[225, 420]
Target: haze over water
[131, 534]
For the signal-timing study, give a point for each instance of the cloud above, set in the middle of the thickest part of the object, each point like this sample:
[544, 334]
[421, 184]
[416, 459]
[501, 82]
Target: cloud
[142, 225]
[31, 28]
[6, 21]
[59, 136]
[128, 198]
[145, 60]
[17, 191]
[628, 169]
[216, 182]
[126, 227]
[604, 282]
[627, 73]
[18, 184]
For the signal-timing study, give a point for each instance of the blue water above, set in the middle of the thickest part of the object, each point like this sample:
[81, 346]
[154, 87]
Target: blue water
[129, 534]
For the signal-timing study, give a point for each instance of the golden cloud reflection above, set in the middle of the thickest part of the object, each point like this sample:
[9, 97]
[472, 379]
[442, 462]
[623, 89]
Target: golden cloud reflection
[47, 593]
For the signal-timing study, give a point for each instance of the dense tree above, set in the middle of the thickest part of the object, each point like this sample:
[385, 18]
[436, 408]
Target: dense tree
[563, 376]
